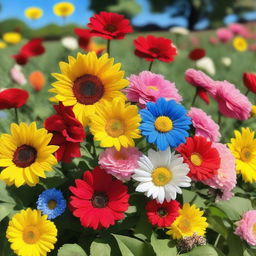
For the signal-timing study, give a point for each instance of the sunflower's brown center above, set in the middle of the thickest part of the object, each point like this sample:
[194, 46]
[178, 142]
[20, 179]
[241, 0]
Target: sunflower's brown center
[162, 212]
[88, 89]
[154, 50]
[196, 159]
[115, 127]
[31, 234]
[99, 200]
[24, 156]
[52, 204]
[110, 28]
[246, 154]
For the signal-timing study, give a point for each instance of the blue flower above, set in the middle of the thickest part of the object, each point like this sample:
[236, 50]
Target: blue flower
[52, 203]
[165, 123]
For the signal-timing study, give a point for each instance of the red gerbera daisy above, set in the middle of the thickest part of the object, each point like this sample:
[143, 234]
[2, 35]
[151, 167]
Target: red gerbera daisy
[250, 81]
[152, 48]
[34, 47]
[13, 98]
[162, 215]
[67, 133]
[196, 54]
[20, 59]
[109, 25]
[98, 200]
[84, 37]
[203, 159]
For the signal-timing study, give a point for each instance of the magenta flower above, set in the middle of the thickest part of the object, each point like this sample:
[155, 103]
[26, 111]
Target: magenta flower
[246, 227]
[149, 87]
[231, 102]
[239, 29]
[204, 125]
[224, 34]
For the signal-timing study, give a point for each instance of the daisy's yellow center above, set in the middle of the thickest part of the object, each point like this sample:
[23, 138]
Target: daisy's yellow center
[254, 229]
[196, 159]
[24, 156]
[246, 155]
[115, 128]
[110, 28]
[163, 124]
[154, 88]
[88, 89]
[52, 204]
[185, 225]
[161, 176]
[31, 234]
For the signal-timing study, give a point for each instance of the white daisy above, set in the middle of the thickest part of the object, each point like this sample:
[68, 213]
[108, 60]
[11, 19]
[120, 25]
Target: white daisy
[161, 174]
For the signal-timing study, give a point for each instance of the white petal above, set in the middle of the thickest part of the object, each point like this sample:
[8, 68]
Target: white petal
[143, 187]
[161, 195]
[141, 178]
[170, 192]
[142, 173]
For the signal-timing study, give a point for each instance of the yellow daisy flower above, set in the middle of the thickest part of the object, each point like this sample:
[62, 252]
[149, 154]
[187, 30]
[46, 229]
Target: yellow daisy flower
[188, 222]
[253, 111]
[240, 44]
[85, 81]
[243, 148]
[12, 37]
[31, 234]
[116, 124]
[2, 45]
[63, 9]
[33, 13]
[26, 155]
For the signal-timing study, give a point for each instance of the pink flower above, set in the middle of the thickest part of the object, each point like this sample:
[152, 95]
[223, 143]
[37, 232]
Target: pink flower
[17, 75]
[148, 86]
[213, 40]
[120, 164]
[202, 82]
[231, 102]
[224, 34]
[239, 29]
[246, 227]
[204, 125]
[225, 179]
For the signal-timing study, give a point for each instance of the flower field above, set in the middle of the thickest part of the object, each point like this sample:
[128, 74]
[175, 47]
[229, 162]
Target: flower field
[132, 144]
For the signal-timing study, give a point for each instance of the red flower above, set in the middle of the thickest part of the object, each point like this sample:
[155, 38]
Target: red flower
[98, 200]
[162, 215]
[109, 25]
[152, 48]
[13, 98]
[20, 59]
[84, 37]
[67, 133]
[196, 54]
[202, 158]
[250, 81]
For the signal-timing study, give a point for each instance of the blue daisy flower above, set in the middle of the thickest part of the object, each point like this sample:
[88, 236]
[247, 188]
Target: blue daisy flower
[165, 123]
[52, 203]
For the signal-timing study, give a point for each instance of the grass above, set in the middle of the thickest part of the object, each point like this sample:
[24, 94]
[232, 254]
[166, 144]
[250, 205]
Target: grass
[38, 107]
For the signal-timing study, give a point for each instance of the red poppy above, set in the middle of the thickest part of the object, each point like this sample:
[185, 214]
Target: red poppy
[196, 54]
[33, 47]
[162, 215]
[20, 59]
[67, 133]
[203, 159]
[84, 37]
[250, 81]
[109, 25]
[13, 98]
[98, 200]
[152, 48]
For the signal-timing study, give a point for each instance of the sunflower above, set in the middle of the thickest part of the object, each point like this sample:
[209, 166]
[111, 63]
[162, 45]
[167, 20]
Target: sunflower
[63, 9]
[31, 234]
[188, 222]
[26, 155]
[243, 148]
[116, 124]
[33, 13]
[85, 81]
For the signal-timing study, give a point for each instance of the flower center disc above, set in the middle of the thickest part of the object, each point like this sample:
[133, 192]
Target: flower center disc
[52, 204]
[115, 128]
[196, 159]
[162, 212]
[99, 200]
[88, 89]
[110, 28]
[154, 50]
[31, 235]
[185, 225]
[120, 156]
[163, 124]
[24, 156]
[161, 176]
[254, 229]
[246, 155]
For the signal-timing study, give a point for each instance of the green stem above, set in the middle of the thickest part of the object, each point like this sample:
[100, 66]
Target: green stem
[108, 47]
[150, 66]
[219, 118]
[194, 99]
[217, 240]
[16, 115]
[247, 92]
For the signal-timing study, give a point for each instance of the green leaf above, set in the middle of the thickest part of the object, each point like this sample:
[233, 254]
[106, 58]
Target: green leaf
[163, 247]
[143, 229]
[192, 197]
[216, 223]
[205, 250]
[99, 247]
[4, 194]
[235, 245]
[71, 249]
[5, 210]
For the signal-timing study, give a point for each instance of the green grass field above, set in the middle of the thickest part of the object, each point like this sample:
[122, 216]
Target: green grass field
[39, 107]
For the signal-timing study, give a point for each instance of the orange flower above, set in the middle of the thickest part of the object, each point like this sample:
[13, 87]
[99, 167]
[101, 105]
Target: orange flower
[37, 80]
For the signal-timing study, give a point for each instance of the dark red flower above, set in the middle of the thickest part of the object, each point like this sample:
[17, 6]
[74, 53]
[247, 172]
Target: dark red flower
[109, 25]
[196, 54]
[203, 159]
[84, 37]
[34, 47]
[98, 200]
[67, 131]
[250, 81]
[13, 98]
[20, 59]
[152, 48]
[162, 215]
